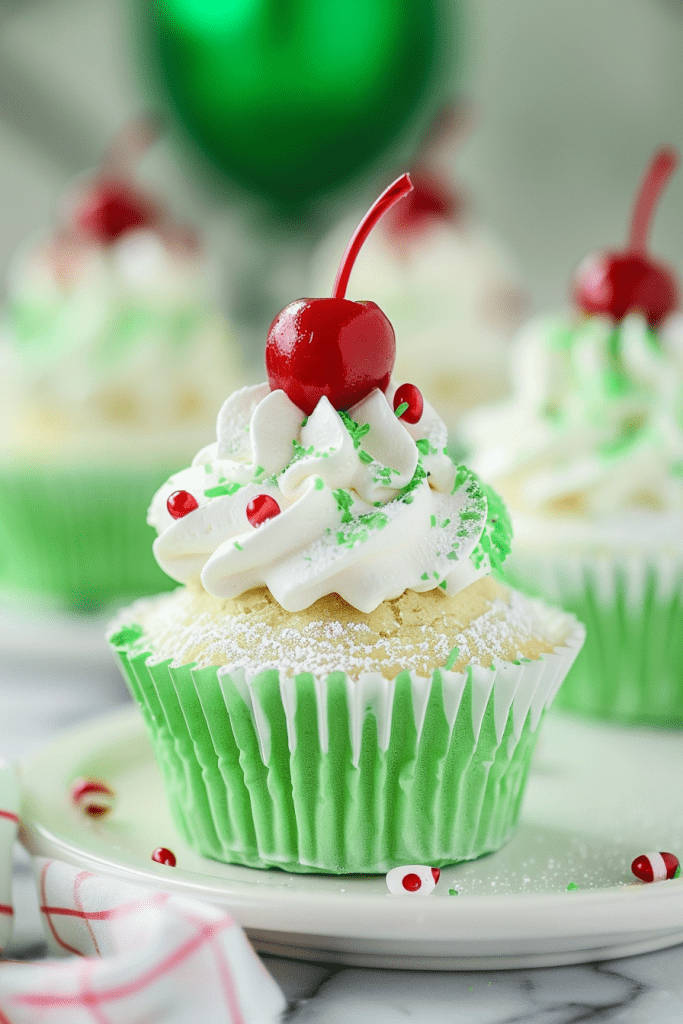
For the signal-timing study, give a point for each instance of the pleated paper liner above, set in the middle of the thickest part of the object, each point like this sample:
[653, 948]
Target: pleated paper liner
[631, 667]
[342, 776]
[79, 536]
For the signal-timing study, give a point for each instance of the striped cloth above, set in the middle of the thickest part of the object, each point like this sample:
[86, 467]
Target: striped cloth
[127, 954]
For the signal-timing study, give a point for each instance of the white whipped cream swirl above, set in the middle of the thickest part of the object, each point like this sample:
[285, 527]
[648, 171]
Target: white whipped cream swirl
[370, 506]
[595, 426]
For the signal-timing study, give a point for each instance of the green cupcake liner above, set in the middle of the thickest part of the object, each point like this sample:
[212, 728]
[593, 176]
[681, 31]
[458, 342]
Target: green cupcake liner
[342, 776]
[631, 667]
[79, 536]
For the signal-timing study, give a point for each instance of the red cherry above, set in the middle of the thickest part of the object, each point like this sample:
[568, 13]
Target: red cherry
[431, 200]
[261, 508]
[111, 208]
[181, 503]
[411, 396]
[616, 283]
[163, 856]
[436, 875]
[333, 346]
[412, 882]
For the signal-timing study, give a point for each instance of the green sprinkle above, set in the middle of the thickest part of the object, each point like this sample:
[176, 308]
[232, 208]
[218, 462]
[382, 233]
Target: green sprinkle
[304, 421]
[344, 502]
[364, 457]
[227, 489]
[259, 471]
[453, 892]
[399, 410]
[445, 523]
[572, 887]
[356, 430]
[207, 467]
[238, 546]
[452, 555]
[424, 576]
[443, 584]
[319, 484]
[436, 575]
[433, 520]
[299, 451]
[423, 446]
[677, 872]
[452, 658]
[128, 635]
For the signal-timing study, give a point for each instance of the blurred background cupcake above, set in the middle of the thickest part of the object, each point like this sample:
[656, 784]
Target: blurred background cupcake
[589, 455]
[114, 363]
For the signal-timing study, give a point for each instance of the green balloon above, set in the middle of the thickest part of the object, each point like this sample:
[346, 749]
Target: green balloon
[292, 98]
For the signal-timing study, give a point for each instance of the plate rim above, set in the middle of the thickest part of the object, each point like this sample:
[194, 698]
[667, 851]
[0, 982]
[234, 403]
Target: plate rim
[632, 907]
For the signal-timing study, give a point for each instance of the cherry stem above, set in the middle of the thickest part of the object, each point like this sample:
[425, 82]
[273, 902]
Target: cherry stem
[662, 166]
[397, 190]
[129, 144]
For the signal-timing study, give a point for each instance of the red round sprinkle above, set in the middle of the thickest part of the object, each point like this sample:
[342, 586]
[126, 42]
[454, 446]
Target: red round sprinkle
[163, 856]
[436, 874]
[411, 396]
[412, 882]
[655, 867]
[92, 796]
[181, 503]
[261, 508]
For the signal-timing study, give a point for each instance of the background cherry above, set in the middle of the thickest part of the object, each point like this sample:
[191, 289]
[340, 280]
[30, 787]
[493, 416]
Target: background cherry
[112, 204]
[432, 199]
[332, 346]
[617, 283]
[111, 208]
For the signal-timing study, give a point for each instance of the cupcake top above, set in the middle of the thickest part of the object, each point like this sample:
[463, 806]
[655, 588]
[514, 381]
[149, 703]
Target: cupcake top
[593, 434]
[595, 425]
[359, 503]
[110, 342]
[329, 479]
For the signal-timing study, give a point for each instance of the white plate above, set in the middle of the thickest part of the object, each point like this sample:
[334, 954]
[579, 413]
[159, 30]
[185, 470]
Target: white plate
[597, 798]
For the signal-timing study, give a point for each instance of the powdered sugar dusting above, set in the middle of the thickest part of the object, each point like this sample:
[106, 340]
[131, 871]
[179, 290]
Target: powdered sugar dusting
[507, 630]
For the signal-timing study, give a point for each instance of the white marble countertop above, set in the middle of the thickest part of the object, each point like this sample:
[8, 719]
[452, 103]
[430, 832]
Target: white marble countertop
[41, 696]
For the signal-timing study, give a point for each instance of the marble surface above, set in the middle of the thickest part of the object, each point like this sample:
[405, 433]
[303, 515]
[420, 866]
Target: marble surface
[40, 696]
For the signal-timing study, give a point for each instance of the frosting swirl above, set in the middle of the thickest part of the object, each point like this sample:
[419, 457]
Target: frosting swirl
[370, 506]
[596, 422]
[119, 337]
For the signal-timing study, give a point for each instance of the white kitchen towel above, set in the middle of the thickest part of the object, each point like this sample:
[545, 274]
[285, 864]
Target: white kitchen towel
[129, 954]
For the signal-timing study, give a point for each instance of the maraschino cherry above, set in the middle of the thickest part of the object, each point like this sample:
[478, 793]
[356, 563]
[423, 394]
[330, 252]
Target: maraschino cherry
[111, 208]
[617, 283]
[112, 205]
[333, 346]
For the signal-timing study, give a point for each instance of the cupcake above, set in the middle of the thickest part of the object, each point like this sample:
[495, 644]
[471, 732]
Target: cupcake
[113, 366]
[339, 686]
[447, 284]
[588, 454]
